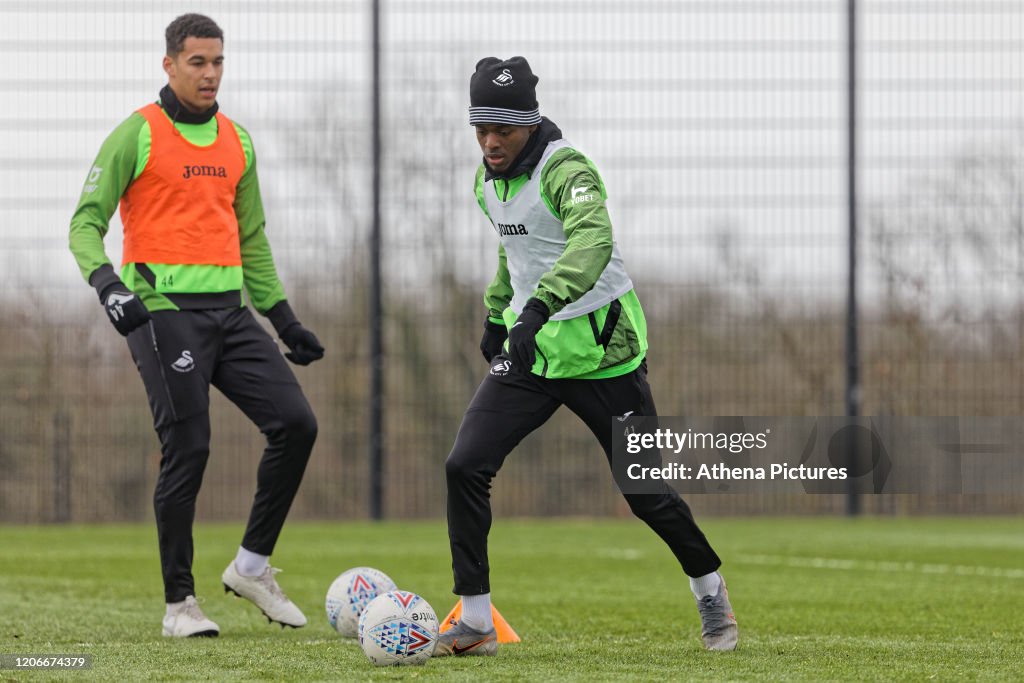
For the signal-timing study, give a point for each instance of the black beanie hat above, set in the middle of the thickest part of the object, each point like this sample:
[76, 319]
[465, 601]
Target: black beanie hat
[503, 92]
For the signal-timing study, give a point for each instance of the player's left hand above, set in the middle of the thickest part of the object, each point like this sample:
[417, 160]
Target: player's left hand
[522, 342]
[304, 347]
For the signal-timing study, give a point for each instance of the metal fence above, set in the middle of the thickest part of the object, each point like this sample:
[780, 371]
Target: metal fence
[720, 130]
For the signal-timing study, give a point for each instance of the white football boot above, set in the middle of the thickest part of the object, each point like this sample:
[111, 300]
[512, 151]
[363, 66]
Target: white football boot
[186, 620]
[264, 592]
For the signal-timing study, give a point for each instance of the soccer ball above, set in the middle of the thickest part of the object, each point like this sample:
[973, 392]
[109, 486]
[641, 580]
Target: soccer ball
[398, 628]
[349, 595]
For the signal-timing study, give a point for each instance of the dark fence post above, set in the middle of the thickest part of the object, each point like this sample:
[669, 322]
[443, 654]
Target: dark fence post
[853, 392]
[376, 334]
[61, 467]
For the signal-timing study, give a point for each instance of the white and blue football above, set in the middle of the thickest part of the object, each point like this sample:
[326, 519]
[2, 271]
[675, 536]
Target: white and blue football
[398, 628]
[349, 595]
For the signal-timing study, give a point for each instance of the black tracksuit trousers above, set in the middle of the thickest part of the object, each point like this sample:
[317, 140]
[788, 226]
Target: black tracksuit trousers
[508, 406]
[179, 354]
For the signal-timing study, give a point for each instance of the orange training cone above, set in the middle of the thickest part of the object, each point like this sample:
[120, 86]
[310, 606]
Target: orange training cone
[506, 634]
[452, 617]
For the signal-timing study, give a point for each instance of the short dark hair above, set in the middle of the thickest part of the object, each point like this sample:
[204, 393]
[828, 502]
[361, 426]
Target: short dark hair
[190, 25]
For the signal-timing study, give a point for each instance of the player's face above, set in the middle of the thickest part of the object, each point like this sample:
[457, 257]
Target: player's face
[501, 144]
[194, 74]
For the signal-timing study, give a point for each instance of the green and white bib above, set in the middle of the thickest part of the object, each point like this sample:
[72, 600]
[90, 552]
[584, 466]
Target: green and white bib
[534, 239]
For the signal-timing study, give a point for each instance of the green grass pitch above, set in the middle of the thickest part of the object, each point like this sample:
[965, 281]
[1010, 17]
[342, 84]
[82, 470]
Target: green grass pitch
[816, 599]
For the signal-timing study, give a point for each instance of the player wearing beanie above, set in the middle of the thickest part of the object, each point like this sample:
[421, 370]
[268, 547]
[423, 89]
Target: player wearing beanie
[564, 327]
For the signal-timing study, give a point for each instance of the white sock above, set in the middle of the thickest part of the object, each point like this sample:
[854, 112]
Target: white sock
[705, 585]
[476, 612]
[249, 563]
[174, 606]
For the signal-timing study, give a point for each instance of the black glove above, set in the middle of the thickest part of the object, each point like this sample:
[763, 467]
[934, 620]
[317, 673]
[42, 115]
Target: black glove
[493, 339]
[522, 345]
[303, 346]
[125, 310]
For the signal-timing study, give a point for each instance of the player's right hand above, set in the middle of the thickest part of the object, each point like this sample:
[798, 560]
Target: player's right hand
[125, 309]
[493, 340]
[522, 342]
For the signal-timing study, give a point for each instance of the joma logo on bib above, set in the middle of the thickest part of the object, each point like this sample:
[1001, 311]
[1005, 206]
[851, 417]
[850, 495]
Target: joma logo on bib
[511, 229]
[215, 171]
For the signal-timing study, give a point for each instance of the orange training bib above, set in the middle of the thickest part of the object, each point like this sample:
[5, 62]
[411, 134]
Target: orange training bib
[180, 210]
